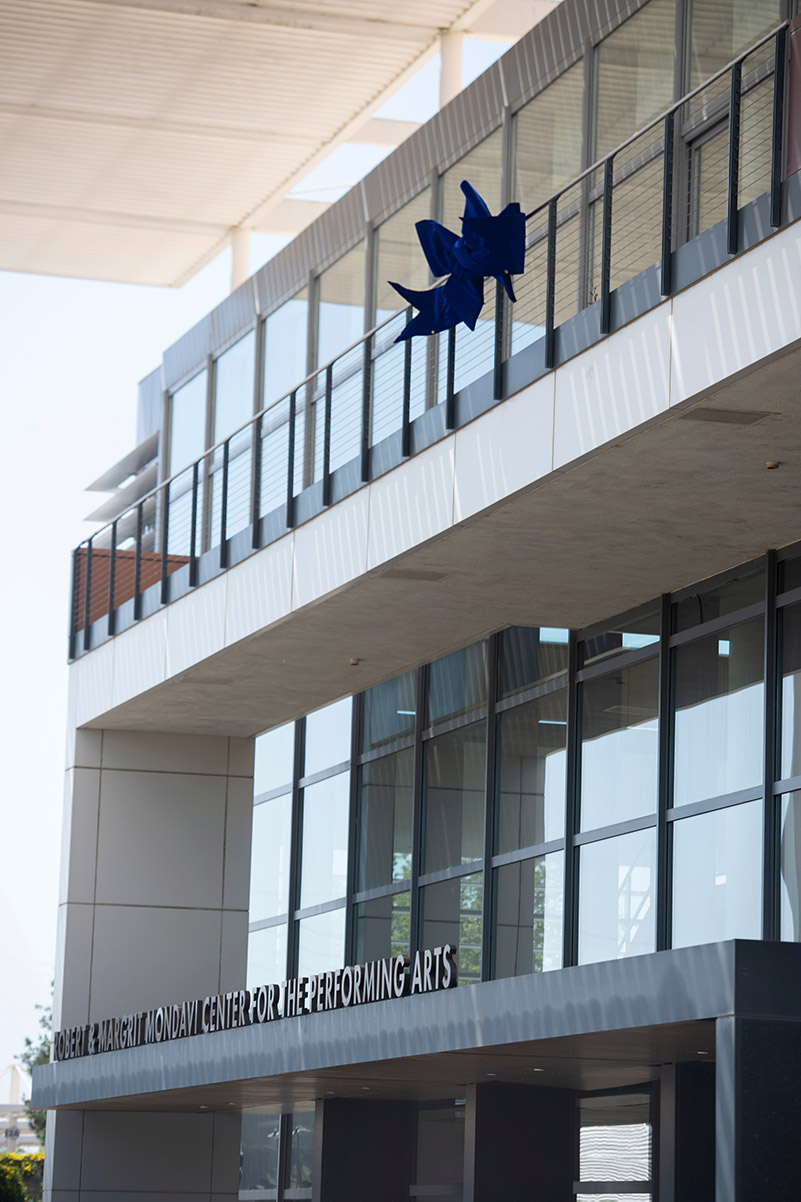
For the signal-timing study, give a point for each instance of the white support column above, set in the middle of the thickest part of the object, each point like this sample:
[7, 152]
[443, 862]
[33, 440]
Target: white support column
[450, 56]
[240, 256]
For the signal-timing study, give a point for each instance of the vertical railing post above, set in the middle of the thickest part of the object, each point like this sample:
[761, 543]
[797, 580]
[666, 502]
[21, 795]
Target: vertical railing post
[367, 374]
[497, 362]
[224, 505]
[193, 530]
[406, 425]
[137, 595]
[606, 247]
[450, 387]
[329, 388]
[550, 285]
[777, 142]
[733, 195]
[255, 485]
[165, 536]
[112, 568]
[87, 598]
[666, 285]
[73, 624]
[290, 465]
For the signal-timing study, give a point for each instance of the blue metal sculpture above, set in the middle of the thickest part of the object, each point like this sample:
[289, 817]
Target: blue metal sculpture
[490, 247]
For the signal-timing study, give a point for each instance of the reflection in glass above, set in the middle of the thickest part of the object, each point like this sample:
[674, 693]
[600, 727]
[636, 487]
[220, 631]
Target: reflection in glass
[617, 880]
[188, 423]
[233, 387]
[719, 698]
[260, 1140]
[531, 763]
[638, 633]
[634, 74]
[301, 1150]
[528, 916]
[530, 655]
[274, 754]
[389, 711]
[620, 745]
[717, 876]
[720, 29]
[453, 806]
[267, 956]
[384, 828]
[790, 620]
[328, 736]
[382, 927]
[458, 682]
[285, 342]
[616, 1138]
[710, 173]
[716, 602]
[321, 942]
[548, 136]
[452, 914]
[340, 310]
[269, 858]
[482, 167]
[398, 255]
[325, 841]
[791, 868]
[440, 1145]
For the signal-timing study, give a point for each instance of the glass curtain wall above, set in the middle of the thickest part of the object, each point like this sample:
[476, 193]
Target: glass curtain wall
[234, 372]
[285, 365]
[341, 314]
[277, 1155]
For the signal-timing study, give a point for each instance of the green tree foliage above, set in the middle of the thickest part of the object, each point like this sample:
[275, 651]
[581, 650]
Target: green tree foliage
[37, 1051]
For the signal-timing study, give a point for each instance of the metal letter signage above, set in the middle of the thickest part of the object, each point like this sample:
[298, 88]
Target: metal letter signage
[377, 981]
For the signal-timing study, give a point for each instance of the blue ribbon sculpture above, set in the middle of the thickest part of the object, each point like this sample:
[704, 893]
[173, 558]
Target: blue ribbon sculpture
[489, 247]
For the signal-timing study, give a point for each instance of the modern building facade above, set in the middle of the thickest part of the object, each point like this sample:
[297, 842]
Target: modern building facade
[481, 651]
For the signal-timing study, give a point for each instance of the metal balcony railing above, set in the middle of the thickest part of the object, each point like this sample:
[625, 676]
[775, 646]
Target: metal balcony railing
[695, 166]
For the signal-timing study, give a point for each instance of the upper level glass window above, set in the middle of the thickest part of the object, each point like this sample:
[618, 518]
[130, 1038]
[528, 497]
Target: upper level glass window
[233, 387]
[269, 858]
[719, 695]
[481, 167]
[717, 875]
[458, 683]
[274, 757]
[389, 711]
[285, 347]
[384, 829]
[548, 139]
[454, 798]
[530, 655]
[634, 74]
[620, 745]
[328, 736]
[398, 255]
[188, 423]
[617, 897]
[341, 304]
[791, 692]
[618, 639]
[716, 602]
[324, 861]
[531, 764]
[720, 29]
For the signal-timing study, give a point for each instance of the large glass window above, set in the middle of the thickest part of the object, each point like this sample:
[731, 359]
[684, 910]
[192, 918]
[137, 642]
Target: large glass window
[285, 343]
[301, 1150]
[717, 875]
[617, 893]
[719, 713]
[274, 759]
[384, 827]
[481, 167]
[711, 603]
[259, 1158]
[452, 914]
[389, 711]
[531, 764]
[267, 955]
[233, 387]
[548, 139]
[791, 867]
[528, 916]
[439, 1147]
[458, 682]
[531, 655]
[720, 29]
[188, 423]
[634, 74]
[398, 255]
[382, 927]
[321, 942]
[269, 862]
[454, 798]
[791, 692]
[340, 309]
[325, 840]
[620, 745]
[328, 736]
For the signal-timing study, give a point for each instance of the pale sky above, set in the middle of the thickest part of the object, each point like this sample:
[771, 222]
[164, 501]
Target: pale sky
[71, 355]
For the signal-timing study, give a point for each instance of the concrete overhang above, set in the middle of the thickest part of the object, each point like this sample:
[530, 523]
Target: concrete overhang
[590, 492]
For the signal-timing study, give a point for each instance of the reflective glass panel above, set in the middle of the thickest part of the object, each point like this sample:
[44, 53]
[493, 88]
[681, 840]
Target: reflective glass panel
[620, 745]
[398, 255]
[328, 736]
[285, 342]
[791, 868]
[790, 621]
[458, 682]
[482, 167]
[531, 766]
[382, 927]
[452, 914]
[340, 311]
[233, 387]
[453, 808]
[617, 883]
[269, 858]
[321, 942]
[389, 711]
[548, 136]
[188, 423]
[719, 698]
[616, 1138]
[267, 956]
[638, 633]
[384, 830]
[717, 876]
[258, 1169]
[325, 840]
[720, 29]
[789, 575]
[301, 1150]
[634, 74]
[725, 599]
[440, 1145]
[528, 916]
[530, 655]
[274, 754]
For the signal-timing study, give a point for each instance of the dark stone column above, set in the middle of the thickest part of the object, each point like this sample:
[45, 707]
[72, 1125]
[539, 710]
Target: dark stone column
[522, 1144]
[758, 1110]
[362, 1150]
